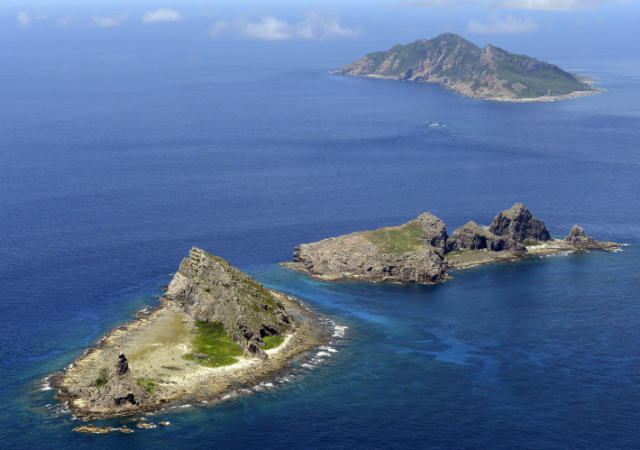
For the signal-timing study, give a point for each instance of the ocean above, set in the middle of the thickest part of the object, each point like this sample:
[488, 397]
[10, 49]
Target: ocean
[115, 163]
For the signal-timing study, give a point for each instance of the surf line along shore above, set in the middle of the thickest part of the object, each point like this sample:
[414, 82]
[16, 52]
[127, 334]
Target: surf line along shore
[217, 330]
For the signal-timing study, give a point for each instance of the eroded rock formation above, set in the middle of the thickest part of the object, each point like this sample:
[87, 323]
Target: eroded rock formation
[412, 252]
[519, 224]
[473, 237]
[209, 289]
[420, 251]
[117, 389]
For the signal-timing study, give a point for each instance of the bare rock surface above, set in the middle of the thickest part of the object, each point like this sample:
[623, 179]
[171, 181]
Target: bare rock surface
[578, 238]
[474, 237]
[519, 224]
[412, 252]
[420, 251]
[121, 390]
[209, 289]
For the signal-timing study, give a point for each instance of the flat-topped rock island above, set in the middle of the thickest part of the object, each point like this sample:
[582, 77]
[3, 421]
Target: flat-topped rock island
[420, 251]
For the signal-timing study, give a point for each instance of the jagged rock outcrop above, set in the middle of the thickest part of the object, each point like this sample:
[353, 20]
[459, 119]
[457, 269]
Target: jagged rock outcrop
[580, 240]
[413, 252]
[209, 289]
[578, 237]
[420, 251]
[434, 229]
[488, 73]
[519, 224]
[473, 237]
[121, 390]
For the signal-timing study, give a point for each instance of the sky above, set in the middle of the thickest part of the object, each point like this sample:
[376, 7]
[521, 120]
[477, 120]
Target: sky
[517, 25]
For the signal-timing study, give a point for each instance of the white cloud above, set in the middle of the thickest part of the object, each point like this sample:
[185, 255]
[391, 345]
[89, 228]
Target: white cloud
[108, 22]
[315, 26]
[23, 18]
[542, 5]
[510, 25]
[162, 15]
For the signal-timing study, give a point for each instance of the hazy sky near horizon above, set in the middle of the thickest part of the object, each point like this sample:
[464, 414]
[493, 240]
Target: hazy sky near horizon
[593, 25]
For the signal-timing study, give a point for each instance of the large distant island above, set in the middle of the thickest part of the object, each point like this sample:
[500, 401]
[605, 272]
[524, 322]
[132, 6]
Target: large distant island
[420, 251]
[488, 73]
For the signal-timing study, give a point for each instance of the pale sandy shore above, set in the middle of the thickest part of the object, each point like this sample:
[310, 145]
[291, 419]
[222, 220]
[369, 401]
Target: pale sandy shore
[478, 257]
[547, 98]
[155, 345]
[467, 93]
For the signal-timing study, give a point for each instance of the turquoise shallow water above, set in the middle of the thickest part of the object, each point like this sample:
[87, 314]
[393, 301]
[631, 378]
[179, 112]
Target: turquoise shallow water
[110, 173]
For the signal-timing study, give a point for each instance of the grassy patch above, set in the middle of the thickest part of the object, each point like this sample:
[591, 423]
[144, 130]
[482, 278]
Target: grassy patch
[530, 243]
[455, 253]
[401, 239]
[213, 341]
[102, 379]
[272, 342]
[147, 385]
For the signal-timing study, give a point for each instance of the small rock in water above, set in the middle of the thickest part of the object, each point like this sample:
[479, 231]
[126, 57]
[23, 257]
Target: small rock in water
[146, 425]
[125, 429]
[91, 428]
[164, 423]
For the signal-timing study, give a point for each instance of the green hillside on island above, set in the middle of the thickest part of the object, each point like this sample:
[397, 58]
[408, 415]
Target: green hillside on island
[488, 73]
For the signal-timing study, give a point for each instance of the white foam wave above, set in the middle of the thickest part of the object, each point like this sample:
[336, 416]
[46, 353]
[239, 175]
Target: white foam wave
[328, 349]
[339, 331]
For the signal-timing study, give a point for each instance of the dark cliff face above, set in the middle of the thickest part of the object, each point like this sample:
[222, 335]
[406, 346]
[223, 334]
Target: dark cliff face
[459, 64]
[519, 224]
[210, 289]
[473, 237]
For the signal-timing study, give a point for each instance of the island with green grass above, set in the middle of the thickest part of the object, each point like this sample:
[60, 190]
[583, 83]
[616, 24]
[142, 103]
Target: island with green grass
[421, 251]
[489, 73]
[216, 328]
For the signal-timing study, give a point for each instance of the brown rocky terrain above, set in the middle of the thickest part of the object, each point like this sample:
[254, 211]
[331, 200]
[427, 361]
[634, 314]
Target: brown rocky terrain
[160, 365]
[420, 251]
[410, 252]
[209, 289]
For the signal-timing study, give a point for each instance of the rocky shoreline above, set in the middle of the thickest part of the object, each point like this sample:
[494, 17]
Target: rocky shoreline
[155, 374]
[421, 251]
[466, 91]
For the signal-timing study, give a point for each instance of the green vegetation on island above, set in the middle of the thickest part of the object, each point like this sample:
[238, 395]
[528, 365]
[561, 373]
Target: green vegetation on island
[213, 342]
[489, 72]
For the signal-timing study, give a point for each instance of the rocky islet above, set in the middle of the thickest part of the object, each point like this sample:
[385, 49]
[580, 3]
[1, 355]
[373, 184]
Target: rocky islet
[421, 251]
[150, 362]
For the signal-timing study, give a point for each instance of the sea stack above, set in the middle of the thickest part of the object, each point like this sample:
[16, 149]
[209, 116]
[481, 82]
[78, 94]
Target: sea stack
[519, 224]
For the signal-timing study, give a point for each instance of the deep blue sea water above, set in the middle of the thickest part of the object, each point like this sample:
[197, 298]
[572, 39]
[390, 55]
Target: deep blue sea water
[114, 164]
